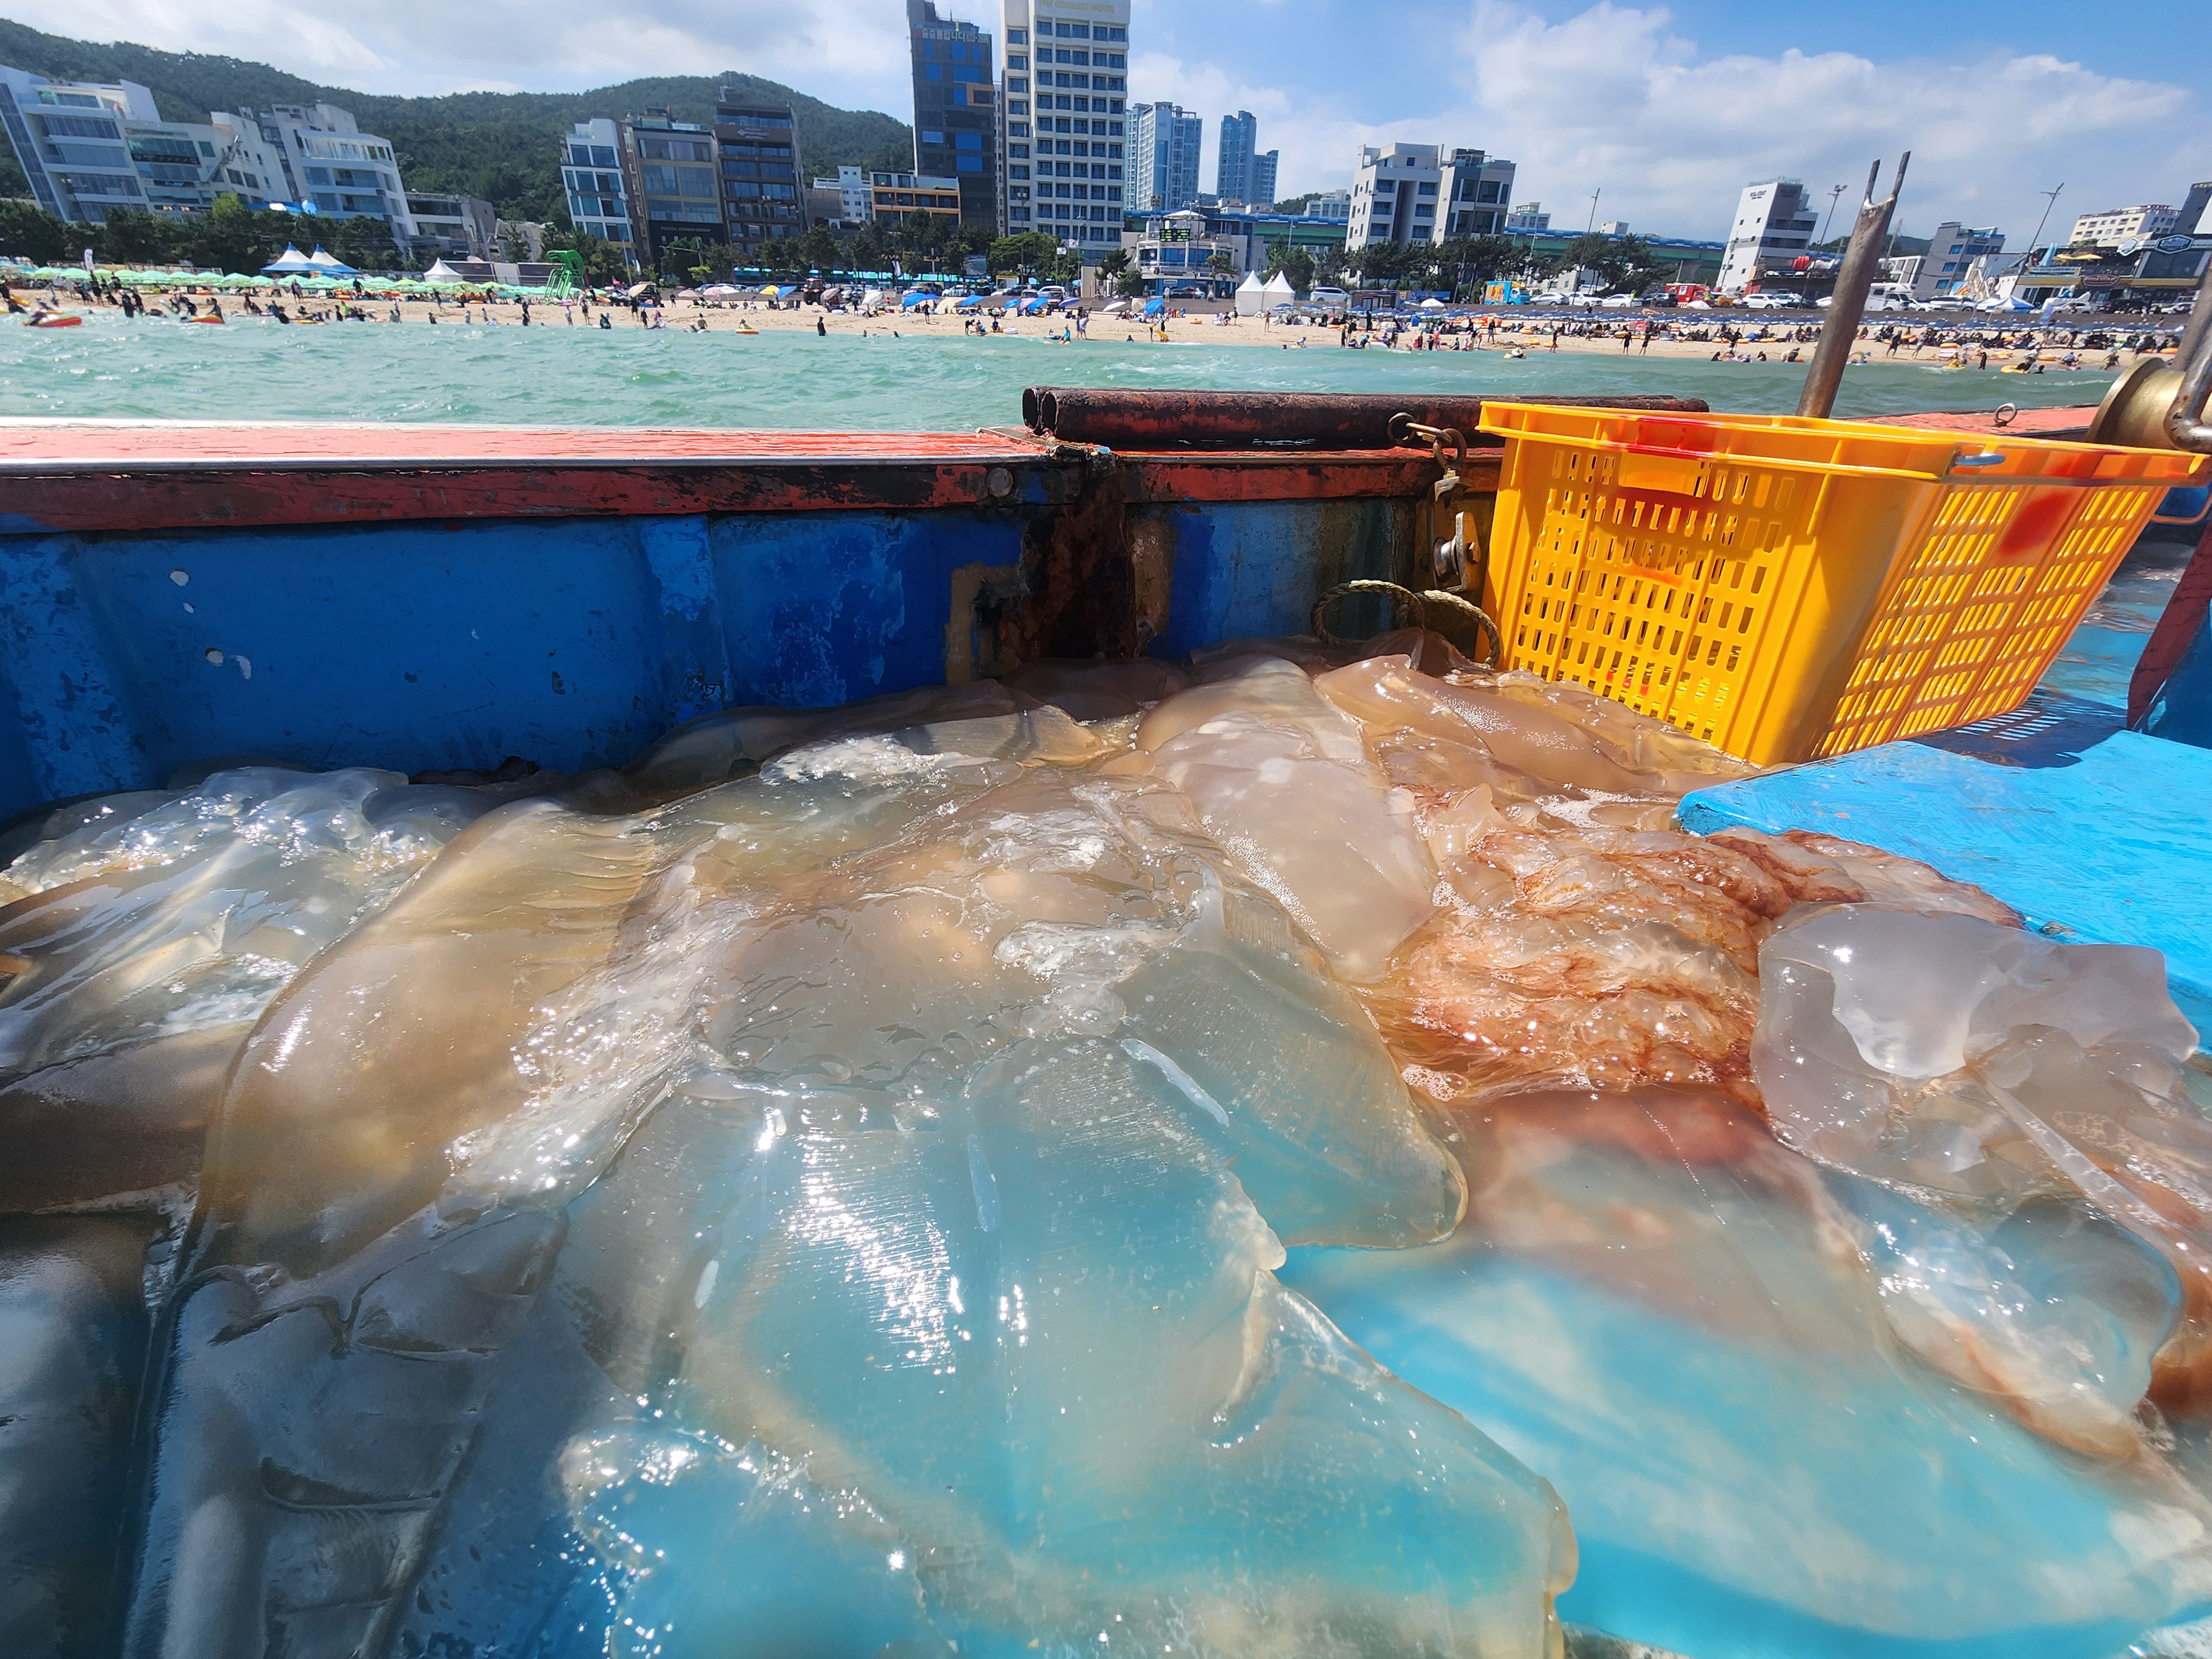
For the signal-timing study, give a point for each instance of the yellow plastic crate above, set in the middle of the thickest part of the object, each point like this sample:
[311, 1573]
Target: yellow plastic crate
[1786, 588]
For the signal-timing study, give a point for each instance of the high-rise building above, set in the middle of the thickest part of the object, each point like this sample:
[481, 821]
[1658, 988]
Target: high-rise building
[1243, 171]
[1065, 121]
[670, 180]
[956, 108]
[1261, 187]
[1232, 167]
[592, 172]
[1425, 193]
[1163, 143]
[757, 147]
[1774, 223]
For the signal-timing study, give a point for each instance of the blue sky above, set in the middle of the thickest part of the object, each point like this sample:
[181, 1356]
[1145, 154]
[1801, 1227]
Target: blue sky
[1667, 110]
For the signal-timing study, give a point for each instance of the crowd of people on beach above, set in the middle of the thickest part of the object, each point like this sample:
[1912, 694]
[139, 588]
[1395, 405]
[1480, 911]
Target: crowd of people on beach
[1722, 339]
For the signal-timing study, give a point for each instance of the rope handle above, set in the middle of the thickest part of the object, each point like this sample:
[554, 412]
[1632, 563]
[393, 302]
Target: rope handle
[1412, 610]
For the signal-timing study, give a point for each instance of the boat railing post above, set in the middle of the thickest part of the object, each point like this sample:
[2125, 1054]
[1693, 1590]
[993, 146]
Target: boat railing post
[2186, 425]
[1847, 306]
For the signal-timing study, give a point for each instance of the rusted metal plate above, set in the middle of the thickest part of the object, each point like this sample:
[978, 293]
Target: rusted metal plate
[212, 498]
[34, 445]
[1146, 420]
[160, 475]
[1341, 474]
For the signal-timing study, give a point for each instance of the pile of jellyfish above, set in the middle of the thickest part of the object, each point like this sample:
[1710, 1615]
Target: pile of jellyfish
[1291, 1154]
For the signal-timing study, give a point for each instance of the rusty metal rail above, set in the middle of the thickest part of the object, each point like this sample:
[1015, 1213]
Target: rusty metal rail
[1142, 419]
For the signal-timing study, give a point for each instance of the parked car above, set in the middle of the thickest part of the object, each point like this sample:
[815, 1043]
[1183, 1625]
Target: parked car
[1617, 302]
[1329, 299]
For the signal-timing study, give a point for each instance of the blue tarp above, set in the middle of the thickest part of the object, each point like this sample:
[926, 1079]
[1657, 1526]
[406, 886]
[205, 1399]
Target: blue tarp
[908, 303]
[2107, 850]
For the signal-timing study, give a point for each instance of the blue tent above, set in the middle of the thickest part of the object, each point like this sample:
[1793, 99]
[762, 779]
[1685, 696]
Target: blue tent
[1154, 307]
[908, 303]
[786, 292]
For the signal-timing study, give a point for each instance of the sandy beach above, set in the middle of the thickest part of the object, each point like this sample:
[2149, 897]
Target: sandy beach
[1687, 336]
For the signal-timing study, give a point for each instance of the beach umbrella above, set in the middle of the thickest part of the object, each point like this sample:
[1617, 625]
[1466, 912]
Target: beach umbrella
[970, 303]
[1114, 306]
[908, 301]
[1154, 307]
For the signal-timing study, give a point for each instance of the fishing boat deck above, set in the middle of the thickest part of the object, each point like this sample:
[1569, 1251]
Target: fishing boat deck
[64, 476]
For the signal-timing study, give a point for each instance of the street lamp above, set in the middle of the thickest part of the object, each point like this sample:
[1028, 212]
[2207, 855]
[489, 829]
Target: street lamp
[1592, 225]
[2053, 201]
[1825, 218]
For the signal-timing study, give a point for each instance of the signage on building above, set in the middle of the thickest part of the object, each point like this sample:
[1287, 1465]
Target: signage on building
[2174, 244]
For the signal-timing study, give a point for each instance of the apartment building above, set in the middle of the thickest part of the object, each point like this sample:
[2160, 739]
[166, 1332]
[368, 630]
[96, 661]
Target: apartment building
[591, 174]
[2111, 226]
[1164, 145]
[1426, 193]
[89, 147]
[1065, 120]
[670, 180]
[761, 171]
[328, 161]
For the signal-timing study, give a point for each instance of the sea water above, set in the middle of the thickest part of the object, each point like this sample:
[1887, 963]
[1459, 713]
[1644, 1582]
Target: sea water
[560, 375]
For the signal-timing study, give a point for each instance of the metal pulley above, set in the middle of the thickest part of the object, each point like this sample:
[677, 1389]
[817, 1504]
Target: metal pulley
[1455, 558]
[2156, 405]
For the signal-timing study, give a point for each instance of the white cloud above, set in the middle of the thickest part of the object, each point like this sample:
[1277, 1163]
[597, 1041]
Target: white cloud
[1612, 99]
[851, 54]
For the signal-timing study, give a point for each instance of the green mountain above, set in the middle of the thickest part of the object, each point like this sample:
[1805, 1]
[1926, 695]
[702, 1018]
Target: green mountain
[498, 145]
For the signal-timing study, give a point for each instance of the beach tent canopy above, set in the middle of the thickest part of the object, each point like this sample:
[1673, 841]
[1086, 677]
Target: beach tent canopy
[442, 272]
[329, 264]
[908, 301]
[1278, 288]
[1251, 295]
[2008, 303]
[1433, 305]
[722, 291]
[1154, 307]
[970, 302]
[293, 262]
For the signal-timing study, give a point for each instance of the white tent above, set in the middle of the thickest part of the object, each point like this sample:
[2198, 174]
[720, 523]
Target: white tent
[291, 259]
[441, 272]
[1279, 290]
[328, 263]
[1432, 304]
[2008, 303]
[1251, 296]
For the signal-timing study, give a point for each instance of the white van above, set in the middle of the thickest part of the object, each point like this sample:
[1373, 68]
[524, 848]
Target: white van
[1329, 299]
